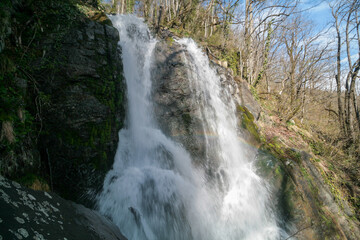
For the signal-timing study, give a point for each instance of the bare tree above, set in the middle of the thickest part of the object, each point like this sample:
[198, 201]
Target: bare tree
[261, 17]
[346, 14]
[301, 65]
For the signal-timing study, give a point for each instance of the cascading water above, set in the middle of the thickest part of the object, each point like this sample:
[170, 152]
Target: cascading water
[154, 191]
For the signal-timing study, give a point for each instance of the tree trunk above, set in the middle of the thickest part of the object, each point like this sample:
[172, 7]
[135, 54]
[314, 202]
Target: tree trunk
[247, 35]
[266, 55]
[338, 82]
[352, 92]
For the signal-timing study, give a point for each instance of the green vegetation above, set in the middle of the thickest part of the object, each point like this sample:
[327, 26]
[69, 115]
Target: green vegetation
[232, 58]
[33, 181]
[247, 122]
[169, 41]
[187, 120]
[22, 122]
[317, 147]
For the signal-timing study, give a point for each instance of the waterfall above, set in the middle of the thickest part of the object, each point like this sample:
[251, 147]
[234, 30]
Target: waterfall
[153, 190]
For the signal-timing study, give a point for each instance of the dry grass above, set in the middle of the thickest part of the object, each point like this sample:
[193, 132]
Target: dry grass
[40, 186]
[340, 170]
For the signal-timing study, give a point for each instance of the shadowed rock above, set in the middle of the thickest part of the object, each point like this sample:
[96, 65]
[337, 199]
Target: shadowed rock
[29, 214]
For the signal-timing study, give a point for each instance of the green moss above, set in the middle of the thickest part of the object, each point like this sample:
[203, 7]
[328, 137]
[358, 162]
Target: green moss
[328, 225]
[290, 123]
[6, 63]
[293, 154]
[232, 58]
[317, 147]
[315, 159]
[279, 171]
[254, 93]
[287, 192]
[12, 110]
[187, 120]
[29, 179]
[247, 122]
[272, 169]
[10, 101]
[42, 18]
[100, 162]
[331, 182]
[313, 189]
[40, 59]
[327, 221]
[276, 148]
[70, 137]
[170, 41]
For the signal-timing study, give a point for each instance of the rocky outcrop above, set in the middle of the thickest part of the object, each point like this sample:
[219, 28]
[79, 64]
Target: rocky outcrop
[176, 109]
[311, 206]
[63, 100]
[304, 201]
[335, 210]
[86, 109]
[176, 112]
[246, 98]
[28, 214]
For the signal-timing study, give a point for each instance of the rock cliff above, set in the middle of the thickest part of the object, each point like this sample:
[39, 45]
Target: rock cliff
[176, 109]
[63, 101]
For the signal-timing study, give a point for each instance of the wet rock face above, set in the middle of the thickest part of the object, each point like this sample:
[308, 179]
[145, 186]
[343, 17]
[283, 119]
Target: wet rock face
[70, 94]
[176, 112]
[28, 214]
[85, 111]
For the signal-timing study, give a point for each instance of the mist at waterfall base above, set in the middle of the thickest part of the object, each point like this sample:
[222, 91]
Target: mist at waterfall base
[154, 191]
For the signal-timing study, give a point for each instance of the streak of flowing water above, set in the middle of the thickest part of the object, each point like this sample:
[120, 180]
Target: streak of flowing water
[153, 190]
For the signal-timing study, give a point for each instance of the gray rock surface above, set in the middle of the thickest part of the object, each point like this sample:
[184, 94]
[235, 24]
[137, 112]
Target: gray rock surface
[176, 112]
[176, 109]
[28, 214]
[85, 109]
[70, 95]
[247, 99]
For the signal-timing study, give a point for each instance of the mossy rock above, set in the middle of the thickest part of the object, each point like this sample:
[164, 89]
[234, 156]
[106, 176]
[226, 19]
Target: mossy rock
[170, 41]
[34, 182]
[72, 71]
[247, 122]
[101, 17]
[284, 191]
[187, 120]
[293, 154]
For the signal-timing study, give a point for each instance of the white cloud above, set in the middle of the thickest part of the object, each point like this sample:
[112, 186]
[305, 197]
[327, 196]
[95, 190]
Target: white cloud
[321, 7]
[353, 58]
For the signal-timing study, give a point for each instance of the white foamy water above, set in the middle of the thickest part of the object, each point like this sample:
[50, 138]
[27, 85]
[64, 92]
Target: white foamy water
[154, 191]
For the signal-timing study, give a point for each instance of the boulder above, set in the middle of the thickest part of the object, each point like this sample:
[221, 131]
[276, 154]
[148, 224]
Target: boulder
[29, 214]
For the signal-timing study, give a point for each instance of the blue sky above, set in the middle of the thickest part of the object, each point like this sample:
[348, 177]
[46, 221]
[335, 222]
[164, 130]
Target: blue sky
[319, 12]
[322, 18]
